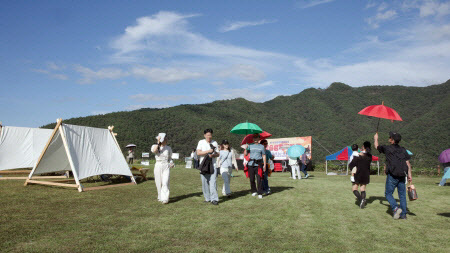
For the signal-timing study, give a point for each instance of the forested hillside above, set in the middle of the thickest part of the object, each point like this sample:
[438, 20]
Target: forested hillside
[328, 115]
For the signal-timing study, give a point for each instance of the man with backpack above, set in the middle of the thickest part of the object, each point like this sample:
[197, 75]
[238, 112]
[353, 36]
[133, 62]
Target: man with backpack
[397, 167]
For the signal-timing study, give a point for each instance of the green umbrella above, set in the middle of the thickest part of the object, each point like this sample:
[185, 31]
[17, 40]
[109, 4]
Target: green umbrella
[246, 128]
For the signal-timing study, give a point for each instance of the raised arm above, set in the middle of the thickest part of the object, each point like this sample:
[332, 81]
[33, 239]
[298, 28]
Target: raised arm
[375, 140]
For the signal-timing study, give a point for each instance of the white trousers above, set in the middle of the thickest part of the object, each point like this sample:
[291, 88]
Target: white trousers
[296, 168]
[162, 175]
[226, 176]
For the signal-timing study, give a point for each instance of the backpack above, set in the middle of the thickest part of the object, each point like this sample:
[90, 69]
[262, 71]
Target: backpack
[398, 167]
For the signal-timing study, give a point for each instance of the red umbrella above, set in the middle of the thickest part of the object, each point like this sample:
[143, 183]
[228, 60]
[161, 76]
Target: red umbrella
[249, 137]
[381, 112]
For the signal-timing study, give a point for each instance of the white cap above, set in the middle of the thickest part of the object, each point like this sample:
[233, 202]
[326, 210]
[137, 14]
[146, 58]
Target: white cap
[161, 137]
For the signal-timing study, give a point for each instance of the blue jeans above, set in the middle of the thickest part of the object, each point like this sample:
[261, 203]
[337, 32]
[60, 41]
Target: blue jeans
[444, 180]
[266, 181]
[399, 183]
[303, 169]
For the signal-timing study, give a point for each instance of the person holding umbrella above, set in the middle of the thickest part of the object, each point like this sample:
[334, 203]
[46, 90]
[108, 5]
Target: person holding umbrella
[130, 156]
[163, 156]
[256, 165]
[208, 149]
[397, 167]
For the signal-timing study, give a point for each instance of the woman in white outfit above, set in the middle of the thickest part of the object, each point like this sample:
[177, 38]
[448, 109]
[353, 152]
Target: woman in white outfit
[293, 162]
[226, 161]
[164, 163]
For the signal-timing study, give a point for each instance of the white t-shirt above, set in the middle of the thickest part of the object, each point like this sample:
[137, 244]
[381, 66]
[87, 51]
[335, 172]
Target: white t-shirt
[203, 145]
[355, 153]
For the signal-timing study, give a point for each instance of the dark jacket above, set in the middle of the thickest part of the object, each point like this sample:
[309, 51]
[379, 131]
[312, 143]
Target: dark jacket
[362, 164]
[396, 158]
[207, 166]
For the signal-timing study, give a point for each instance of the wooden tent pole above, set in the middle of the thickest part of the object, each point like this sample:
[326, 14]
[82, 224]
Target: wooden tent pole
[110, 128]
[58, 124]
[66, 147]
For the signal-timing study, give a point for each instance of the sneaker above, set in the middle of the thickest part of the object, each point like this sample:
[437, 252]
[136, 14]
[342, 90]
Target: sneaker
[214, 202]
[260, 196]
[165, 201]
[363, 204]
[307, 175]
[352, 179]
[254, 194]
[397, 213]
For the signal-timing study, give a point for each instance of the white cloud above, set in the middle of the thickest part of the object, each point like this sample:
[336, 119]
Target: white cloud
[245, 72]
[417, 55]
[59, 76]
[247, 93]
[169, 75]
[264, 84]
[89, 75]
[380, 17]
[153, 97]
[167, 34]
[54, 66]
[241, 24]
[51, 74]
[434, 8]
[100, 112]
[304, 4]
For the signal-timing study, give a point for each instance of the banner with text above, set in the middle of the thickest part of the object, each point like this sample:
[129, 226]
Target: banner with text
[279, 147]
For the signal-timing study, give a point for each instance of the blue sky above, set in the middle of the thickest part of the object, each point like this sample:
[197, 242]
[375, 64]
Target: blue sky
[78, 58]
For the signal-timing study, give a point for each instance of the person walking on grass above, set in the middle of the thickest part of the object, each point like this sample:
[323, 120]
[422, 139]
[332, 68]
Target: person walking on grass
[207, 151]
[256, 165]
[269, 157]
[130, 156]
[163, 156]
[226, 163]
[362, 175]
[354, 154]
[303, 162]
[295, 167]
[397, 167]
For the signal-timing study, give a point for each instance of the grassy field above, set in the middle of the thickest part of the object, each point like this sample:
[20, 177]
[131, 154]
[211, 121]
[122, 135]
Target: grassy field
[313, 215]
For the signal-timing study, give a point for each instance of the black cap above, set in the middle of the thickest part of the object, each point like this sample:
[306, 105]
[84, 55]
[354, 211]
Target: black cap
[395, 136]
[225, 142]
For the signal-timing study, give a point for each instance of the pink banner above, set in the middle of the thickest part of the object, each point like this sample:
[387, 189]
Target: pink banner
[279, 147]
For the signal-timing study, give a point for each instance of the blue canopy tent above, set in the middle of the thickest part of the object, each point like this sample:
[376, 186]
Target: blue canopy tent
[344, 155]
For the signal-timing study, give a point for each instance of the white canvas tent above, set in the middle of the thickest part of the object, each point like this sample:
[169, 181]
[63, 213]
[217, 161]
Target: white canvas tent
[86, 151]
[20, 147]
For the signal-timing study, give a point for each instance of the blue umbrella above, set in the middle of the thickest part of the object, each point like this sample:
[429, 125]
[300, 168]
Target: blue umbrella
[296, 151]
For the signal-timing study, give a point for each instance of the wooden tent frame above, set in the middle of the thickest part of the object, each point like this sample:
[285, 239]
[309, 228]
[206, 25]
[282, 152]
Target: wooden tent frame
[64, 183]
[18, 172]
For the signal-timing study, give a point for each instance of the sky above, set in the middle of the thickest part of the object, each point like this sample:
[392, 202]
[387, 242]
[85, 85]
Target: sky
[64, 59]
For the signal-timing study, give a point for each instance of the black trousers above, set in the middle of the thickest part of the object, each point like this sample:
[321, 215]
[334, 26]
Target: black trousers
[252, 172]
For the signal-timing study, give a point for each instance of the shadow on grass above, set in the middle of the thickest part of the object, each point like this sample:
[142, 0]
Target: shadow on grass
[444, 214]
[381, 200]
[235, 195]
[181, 197]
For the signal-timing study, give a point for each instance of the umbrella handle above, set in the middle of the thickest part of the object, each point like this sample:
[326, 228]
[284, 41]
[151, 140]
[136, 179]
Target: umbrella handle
[378, 124]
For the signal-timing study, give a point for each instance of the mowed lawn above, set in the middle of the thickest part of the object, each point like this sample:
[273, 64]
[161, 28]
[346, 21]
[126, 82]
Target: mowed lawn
[313, 215]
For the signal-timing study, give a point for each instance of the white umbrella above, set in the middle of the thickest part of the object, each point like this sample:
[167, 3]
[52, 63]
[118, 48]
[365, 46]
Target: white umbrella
[131, 146]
